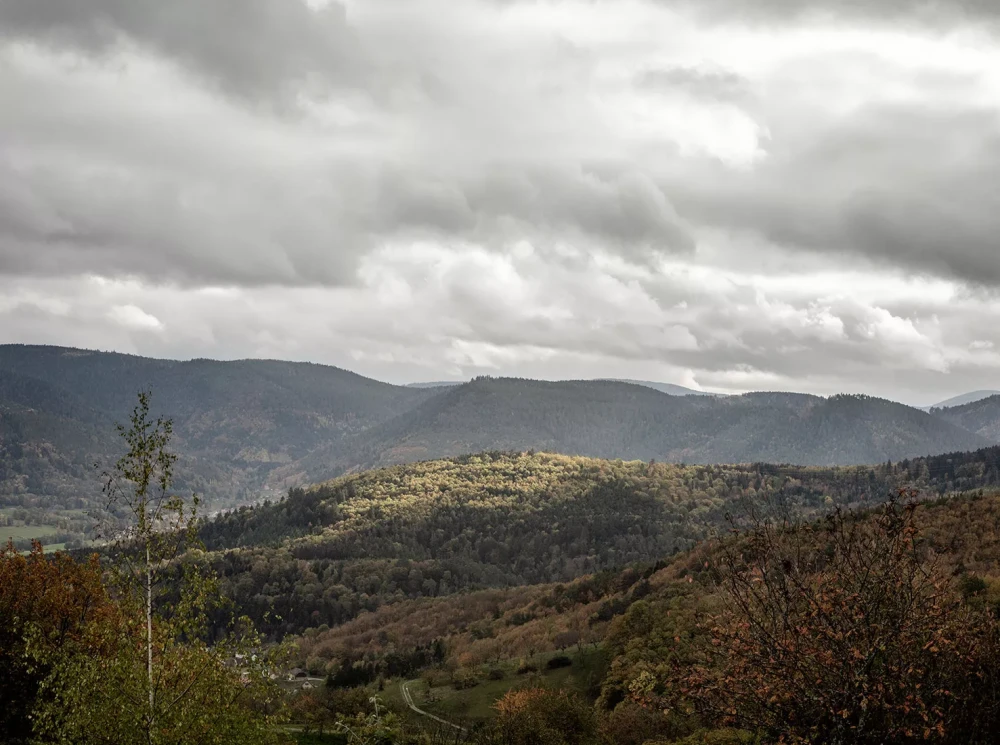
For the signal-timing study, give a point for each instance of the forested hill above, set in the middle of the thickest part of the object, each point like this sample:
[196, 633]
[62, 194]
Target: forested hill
[981, 417]
[609, 419]
[492, 520]
[234, 421]
[650, 623]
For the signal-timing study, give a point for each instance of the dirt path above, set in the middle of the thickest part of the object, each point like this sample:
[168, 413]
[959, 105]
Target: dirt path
[409, 702]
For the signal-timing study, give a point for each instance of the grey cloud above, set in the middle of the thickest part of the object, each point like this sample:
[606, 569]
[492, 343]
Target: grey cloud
[931, 13]
[194, 229]
[908, 12]
[625, 209]
[702, 82]
[408, 199]
[902, 185]
[247, 46]
[57, 223]
[780, 352]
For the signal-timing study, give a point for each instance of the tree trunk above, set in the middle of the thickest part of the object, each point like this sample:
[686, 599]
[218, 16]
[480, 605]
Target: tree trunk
[149, 643]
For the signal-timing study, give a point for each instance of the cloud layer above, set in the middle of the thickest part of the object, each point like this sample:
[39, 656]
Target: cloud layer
[727, 195]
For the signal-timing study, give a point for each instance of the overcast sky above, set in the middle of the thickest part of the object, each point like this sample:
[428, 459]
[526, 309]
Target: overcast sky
[726, 194]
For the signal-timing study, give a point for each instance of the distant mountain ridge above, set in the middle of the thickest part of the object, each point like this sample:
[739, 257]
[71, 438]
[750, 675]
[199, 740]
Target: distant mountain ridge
[607, 419]
[250, 427]
[965, 398]
[981, 416]
[669, 388]
[234, 421]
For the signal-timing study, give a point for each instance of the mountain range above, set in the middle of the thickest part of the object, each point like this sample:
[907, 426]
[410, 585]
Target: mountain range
[248, 428]
[669, 388]
[961, 400]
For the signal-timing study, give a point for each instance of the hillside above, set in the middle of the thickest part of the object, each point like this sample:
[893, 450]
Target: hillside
[637, 624]
[47, 435]
[981, 416]
[607, 419]
[326, 554]
[234, 421]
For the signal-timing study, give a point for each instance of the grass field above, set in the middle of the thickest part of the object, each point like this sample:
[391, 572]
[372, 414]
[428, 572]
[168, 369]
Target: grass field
[27, 532]
[475, 704]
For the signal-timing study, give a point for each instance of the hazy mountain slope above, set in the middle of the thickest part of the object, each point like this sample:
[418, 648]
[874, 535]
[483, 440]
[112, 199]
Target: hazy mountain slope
[981, 416]
[234, 421]
[108, 381]
[594, 418]
[965, 398]
[668, 388]
[618, 420]
[793, 428]
[49, 439]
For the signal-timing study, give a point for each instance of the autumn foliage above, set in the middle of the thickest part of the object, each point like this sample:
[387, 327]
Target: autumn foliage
[538, 716]
[45, 603]
[846, 631]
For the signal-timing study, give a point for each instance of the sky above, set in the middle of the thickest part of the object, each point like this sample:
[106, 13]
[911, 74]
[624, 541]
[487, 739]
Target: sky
[730, 195]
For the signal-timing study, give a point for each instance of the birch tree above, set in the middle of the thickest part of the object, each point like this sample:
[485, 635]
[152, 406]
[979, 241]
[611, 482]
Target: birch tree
[139, 485]
[159, 679]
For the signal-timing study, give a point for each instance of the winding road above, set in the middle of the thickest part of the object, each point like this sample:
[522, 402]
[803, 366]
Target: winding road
[409, 702]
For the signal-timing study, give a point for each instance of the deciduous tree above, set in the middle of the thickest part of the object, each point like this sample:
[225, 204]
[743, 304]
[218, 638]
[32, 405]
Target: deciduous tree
[846, 631]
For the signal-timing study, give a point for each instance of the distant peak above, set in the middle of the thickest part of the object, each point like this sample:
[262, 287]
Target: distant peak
[965, 398]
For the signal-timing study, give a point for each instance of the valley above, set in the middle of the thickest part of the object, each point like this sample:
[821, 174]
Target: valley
[481, 555]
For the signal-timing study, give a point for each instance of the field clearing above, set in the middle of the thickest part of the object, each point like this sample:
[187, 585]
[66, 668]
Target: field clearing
[27, 532]
[475, 704]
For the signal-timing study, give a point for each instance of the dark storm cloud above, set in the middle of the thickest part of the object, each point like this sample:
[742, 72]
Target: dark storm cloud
[909, 186]
[250, 47]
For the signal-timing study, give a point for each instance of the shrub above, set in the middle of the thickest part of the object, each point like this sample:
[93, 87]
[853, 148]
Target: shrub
[464, 678]
[970, 586]
[537, 716]
[559, 661]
